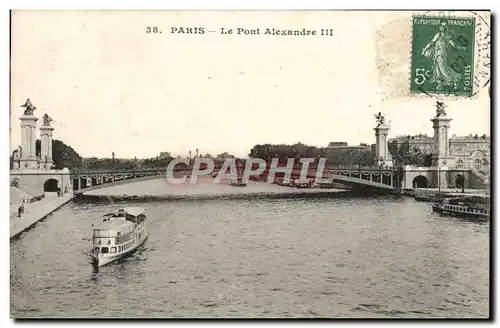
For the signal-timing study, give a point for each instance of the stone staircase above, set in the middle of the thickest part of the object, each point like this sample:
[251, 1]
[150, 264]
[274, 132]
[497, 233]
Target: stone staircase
[481, 176]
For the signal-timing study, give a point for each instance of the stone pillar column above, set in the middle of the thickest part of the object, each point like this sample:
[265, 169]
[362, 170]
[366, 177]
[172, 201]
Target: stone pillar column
[382, 155]
[28, 158]
[441, 177]
[441, 151]
[46, 144]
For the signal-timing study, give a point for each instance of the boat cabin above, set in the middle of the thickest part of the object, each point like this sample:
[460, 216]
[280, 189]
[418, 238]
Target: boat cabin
[132, 214]
[476, 204]
[471, 199]
[117, 230]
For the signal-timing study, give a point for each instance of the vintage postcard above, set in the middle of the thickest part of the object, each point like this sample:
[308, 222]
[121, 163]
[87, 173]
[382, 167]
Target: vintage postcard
[250, 164]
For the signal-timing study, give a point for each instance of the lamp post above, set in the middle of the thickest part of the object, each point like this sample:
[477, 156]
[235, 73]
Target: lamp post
[439, 179]
[357, 160]
[463, 173]
[439, 176]
[65, 159]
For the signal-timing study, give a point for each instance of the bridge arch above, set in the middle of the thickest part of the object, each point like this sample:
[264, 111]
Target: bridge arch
[420, 181]
[51, 185]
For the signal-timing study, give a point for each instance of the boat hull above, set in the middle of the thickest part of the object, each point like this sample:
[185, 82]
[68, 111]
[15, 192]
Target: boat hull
[101, 260]
[436, 208]
[465, 215]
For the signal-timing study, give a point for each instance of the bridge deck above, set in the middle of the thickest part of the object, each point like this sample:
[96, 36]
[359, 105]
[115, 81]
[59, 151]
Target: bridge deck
[348, 176]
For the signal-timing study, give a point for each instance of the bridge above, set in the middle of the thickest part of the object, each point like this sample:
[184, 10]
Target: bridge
[85, 181]
[446, 170]
[377, 179]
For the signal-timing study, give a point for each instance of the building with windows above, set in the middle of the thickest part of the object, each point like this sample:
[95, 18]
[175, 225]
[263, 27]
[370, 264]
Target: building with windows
[164, 154]
[470, 151]
[418, 144]
[336, 144]
[344, 146]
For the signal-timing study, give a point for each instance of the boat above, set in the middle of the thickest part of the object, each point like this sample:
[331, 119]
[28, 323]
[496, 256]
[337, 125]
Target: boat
[280, 182]
[464, 205]
[119, 234]
[324, 185]
[426, 195]
[239, 183]
[436, 208]
[308, 184]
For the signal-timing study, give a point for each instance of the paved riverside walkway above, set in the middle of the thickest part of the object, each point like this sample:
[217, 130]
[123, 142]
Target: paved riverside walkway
[34, 212]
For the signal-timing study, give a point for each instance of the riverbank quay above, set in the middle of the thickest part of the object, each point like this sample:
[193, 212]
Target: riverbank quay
[161, 190]
[35, 212]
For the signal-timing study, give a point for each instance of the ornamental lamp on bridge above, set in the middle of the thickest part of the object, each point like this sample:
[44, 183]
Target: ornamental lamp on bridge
[357, 160]
[65, 158]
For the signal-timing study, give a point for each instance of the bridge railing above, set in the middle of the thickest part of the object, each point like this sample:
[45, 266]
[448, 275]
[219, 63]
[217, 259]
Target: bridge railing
[85, 180]
[182, 167]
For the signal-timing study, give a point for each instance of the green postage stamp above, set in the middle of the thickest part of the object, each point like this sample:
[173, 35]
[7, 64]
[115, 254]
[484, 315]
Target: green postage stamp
[442, 60]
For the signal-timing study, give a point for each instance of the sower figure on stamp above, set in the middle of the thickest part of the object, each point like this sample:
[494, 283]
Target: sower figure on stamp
[437, 50]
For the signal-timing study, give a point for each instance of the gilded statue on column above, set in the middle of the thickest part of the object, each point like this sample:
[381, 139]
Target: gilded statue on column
[29, 108]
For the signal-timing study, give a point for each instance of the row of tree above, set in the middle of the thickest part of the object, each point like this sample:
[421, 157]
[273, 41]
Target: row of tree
[401, 154]
[162, 161]
[400, 151]
[335, 156]
[267, 151]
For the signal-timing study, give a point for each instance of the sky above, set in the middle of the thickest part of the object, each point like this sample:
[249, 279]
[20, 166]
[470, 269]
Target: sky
[112, 87]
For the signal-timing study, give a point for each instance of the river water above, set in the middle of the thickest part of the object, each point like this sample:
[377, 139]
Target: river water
[332, 257]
